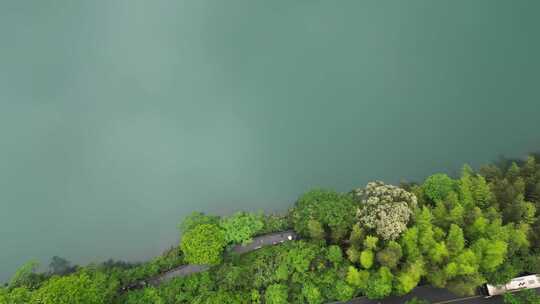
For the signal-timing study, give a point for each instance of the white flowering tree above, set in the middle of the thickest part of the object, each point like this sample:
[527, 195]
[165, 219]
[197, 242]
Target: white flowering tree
[386, 209]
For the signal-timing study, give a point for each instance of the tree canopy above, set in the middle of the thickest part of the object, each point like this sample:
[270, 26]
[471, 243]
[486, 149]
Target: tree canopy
[203, 244]
[385, 208]
[241, 227]
[83, 288]
[327, 212]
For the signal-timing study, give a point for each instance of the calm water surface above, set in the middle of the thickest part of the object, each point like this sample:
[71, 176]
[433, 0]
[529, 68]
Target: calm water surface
[118, 118]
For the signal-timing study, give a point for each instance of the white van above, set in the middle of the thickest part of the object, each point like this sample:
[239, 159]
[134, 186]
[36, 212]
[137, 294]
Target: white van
[516, 284]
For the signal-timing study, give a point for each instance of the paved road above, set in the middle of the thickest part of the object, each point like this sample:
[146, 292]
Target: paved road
[432, 294]
[184, 270]
[177, 272]
[266, 240]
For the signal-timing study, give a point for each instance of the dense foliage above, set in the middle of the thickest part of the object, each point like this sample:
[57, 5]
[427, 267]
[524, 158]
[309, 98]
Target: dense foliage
[323, 213]
[379, 240]
[203, 244]
[240, 227]
[522, 297]
[386, 209]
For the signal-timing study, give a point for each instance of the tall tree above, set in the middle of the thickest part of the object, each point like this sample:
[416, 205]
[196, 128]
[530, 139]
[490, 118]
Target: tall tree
[343, 291]
[455, 242]
[316, 230]
[148, 295]
[203, 244]
[380, 285]
[312, 294]
[334, 211]
[18, 295]
[438, 186]
[390, 255]
[60, 266]
[367, 258]
[335, 255]
[385, 209]
[276, 294]
[357, 236]
[83, 288]
[409, 277]
[410, 244]
[357, 278]
[25, 276]
[241, 227]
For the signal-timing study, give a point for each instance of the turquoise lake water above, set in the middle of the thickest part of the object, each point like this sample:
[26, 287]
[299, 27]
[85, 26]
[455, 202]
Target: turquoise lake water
[118, 118]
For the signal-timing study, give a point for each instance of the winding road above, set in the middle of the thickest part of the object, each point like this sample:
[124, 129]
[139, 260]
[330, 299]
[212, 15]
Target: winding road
[266, 240]
[180, 271]
[432, 294]
[184, 270]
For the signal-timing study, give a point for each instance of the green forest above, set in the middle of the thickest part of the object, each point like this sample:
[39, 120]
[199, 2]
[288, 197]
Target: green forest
[377, 240]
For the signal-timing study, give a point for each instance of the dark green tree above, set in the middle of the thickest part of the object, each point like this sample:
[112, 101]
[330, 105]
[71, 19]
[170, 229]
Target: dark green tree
[147, 295]
[455, 242]
[241, 227]
[380, 284]
[26, 276]
[311, 294]
[316, 230]
[390, 255]
[60, 266]
[276, 294]
[343, 291]
[438, 186]
[334, 211]
[335, 255]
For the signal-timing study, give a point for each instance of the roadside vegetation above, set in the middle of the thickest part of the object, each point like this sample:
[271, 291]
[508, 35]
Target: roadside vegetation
[375, 241]
[522, 297]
